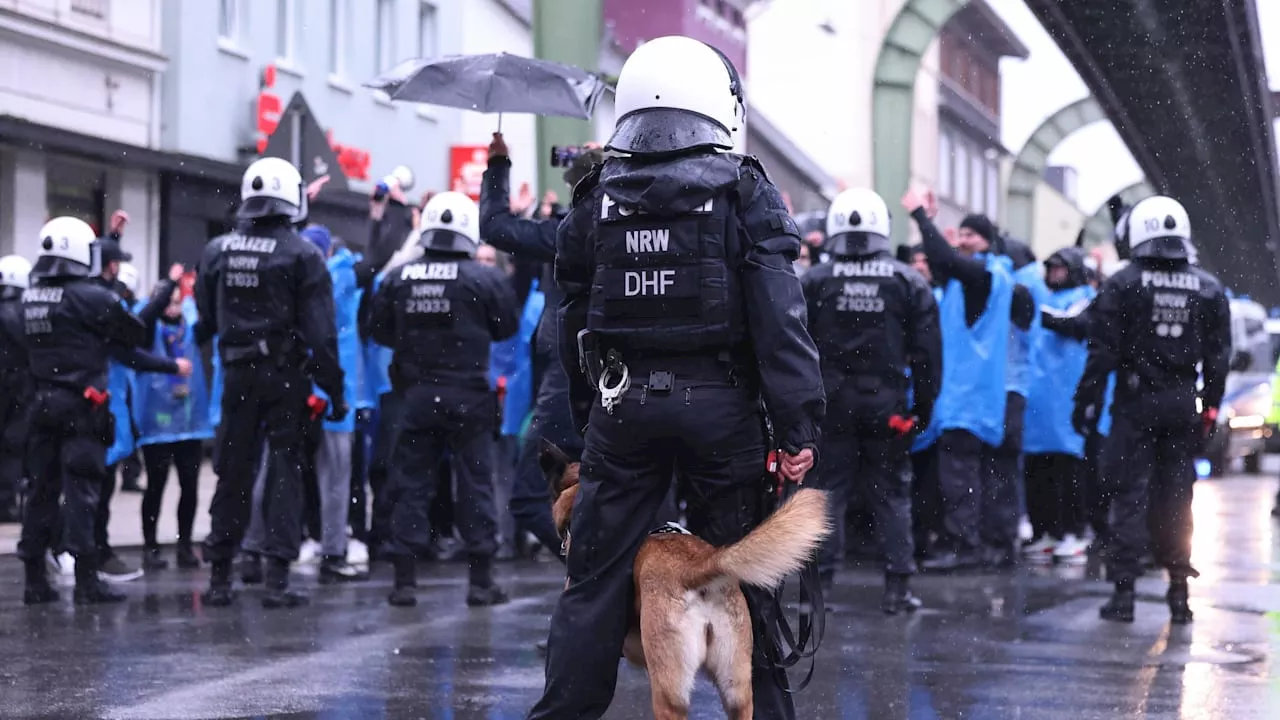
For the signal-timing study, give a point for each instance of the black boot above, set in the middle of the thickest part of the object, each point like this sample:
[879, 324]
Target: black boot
[219, 593]
[406, 581]
[251, 568]
[1179, 611]
[38, 590]
[152, 559]
[89, 589]
[336, 569]
[1120, 607]
[187, 558]
[897, 595]
[483, 591]
[278, 593]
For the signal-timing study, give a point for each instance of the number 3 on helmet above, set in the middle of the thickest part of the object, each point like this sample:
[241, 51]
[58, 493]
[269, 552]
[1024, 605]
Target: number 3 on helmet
[451, 224]
[68, 248]
[272, 187]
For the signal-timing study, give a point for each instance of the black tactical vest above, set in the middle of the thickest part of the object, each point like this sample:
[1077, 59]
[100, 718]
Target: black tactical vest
[668, 284]
[859, 318]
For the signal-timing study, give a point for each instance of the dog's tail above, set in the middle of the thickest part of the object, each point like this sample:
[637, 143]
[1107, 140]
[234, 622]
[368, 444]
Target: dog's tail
[778, 547]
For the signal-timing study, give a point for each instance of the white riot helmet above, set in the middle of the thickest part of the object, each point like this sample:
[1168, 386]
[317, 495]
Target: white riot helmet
[15, 272]
[272, 187]
[451, 224]
[1158, 227]
[68, 248]
[857, 223]
[129, 277]
[675, 93]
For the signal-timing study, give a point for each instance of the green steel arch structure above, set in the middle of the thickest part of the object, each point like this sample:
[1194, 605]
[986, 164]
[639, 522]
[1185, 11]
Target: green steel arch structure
[893, 95]
[1098, 228]
[1033, 158]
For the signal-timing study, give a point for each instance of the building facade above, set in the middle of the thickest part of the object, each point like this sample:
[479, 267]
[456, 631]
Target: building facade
[218, 94]
[970, 47]
[79, 118]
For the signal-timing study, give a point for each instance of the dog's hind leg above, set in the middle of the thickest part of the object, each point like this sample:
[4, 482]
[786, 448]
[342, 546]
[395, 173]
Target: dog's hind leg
[674, 647]
[729, 657]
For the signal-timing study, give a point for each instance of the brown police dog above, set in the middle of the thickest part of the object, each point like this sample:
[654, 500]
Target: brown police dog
[689, 610]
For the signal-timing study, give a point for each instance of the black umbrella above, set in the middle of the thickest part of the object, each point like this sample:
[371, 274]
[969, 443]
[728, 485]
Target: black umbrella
[494, 83]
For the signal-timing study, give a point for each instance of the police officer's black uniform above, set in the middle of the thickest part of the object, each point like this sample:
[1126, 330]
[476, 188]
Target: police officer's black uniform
[873, 319]
[1153, 323]
[535, 240]
[439, 315]
[680, 266]
[266, 293]
[71, 321]
[15, 398]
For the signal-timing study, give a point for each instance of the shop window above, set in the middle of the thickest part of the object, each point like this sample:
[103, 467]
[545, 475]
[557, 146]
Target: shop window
[961, 176]
[977, 182]
[993, 187]
[76, 190]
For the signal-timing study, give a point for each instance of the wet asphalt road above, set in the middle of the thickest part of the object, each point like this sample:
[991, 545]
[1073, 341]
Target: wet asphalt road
[1023, 644]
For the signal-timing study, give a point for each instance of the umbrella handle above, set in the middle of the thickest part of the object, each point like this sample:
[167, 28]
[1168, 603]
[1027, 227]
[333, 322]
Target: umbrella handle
[499, 122]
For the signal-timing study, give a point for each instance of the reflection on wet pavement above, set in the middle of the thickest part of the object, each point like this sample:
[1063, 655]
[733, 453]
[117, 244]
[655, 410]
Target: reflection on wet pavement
[1025, 644]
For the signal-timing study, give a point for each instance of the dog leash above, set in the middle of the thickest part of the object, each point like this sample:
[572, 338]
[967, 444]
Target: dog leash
[790, 645]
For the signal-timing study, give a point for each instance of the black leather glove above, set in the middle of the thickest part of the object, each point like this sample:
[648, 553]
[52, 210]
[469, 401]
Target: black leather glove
[337, 410]
[1084, 418]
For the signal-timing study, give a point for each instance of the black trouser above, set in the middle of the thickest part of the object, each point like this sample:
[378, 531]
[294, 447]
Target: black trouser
[1097, 490]
[312, 435]
[357, 515]
[710, 433]
[926, 498]
[1002, 473]
[1154, 481]
[130, 468]
[185, 456]
[437, 419]
[1055, 495]
[861, 459]
[15, 402]
[530, 495]
[264, 406]
[102, 514]
[440, 514]
[380, 457]
[67, 447]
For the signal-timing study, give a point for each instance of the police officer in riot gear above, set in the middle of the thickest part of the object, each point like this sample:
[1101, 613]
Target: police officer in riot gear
[71, 323]
[15, 384]
[676, 263]
[874, 319]
[265, 291]
[439, 315]
[1153, 323]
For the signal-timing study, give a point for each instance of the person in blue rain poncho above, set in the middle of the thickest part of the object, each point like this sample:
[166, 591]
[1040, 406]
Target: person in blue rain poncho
[172, 418]
[331, 461]
[123, 276]
[1055, 451]
[980, 300]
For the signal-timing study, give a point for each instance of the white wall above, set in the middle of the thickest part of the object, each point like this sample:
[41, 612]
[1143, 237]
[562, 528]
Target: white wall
[821, 97]
[1057, 221]
[54, 78]
[488, 27]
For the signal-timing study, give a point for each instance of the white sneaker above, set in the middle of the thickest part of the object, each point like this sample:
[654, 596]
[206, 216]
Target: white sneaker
[1025, 533]
[1071, 551]
[65, 565]
[357, 552]
[309, 552]
[1040, 550]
